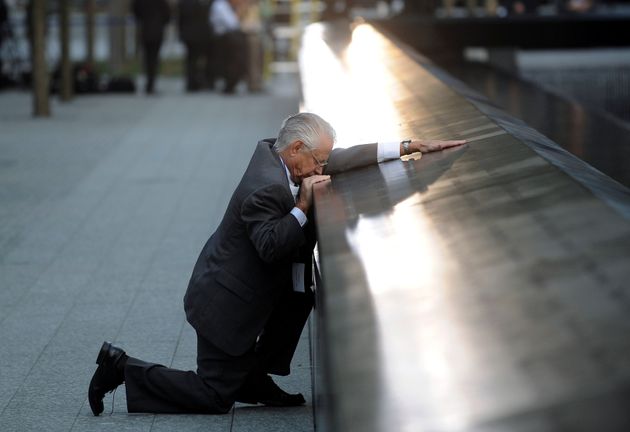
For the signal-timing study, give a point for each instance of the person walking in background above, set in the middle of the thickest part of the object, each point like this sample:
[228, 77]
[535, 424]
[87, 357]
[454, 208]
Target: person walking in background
[210, 50]
[4, 32]
[194, 31]
[151, 17]
[4, 13]
[231, 42]
[252, 26]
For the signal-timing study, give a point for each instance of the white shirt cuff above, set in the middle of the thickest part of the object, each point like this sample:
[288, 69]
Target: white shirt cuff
[299, 215]
[388, 150]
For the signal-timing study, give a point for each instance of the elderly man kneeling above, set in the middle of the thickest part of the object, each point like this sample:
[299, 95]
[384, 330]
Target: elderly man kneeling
[250, 292]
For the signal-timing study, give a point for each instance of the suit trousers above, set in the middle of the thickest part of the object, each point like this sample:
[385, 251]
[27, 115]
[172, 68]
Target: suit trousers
[213, 388]
[210, 54]
[194, 52]
[232, 55]
[151, 62]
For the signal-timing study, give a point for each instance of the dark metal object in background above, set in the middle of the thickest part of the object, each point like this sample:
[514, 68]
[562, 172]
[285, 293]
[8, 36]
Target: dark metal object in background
[596, 138]
[605, 87]
[483, 288]
[448, 36]
[578, 123]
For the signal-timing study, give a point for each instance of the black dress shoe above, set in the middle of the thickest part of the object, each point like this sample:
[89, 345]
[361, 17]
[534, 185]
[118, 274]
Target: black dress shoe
[263, 390]
[108, 375]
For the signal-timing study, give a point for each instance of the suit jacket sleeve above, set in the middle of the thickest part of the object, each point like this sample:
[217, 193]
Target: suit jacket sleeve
[274, 232]
[347, 159]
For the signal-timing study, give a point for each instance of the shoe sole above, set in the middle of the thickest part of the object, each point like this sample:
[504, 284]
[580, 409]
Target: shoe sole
[247, 401]
[272, 403]
[97, 407]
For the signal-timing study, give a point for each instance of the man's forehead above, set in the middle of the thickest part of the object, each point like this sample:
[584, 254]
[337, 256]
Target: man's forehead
[326, 144]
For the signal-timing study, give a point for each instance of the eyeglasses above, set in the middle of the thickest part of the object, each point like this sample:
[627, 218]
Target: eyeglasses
[320, 164]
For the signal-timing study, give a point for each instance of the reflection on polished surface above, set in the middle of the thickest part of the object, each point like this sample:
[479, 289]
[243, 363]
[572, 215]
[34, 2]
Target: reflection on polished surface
[594, 137]
[358, 115]
[480, 288]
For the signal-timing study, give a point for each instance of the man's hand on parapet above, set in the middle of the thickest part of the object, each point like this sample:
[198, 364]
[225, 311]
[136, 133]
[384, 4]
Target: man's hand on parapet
[306, 191]
[428, 146]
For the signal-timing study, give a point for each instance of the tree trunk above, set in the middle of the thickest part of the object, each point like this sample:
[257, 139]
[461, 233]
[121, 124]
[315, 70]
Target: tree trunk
[66, 63]
[90, 11]
[117, 38]
[41, 105]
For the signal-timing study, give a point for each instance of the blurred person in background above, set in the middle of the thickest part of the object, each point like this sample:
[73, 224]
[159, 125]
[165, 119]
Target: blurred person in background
[231, 42]
[522, 7]
[252, 26]
[151, 17]
[194, 31]
[4, 13]
[209, 54]
[4, 32]
[335, 9]
[579, 6]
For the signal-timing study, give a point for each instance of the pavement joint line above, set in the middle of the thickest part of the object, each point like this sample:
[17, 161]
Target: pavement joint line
[49, 199]
[71, 308]
[232, 419]
[153, 254]
[68, 312]
[204, 157]
[179, 338]
[62, 248]
[103, 256]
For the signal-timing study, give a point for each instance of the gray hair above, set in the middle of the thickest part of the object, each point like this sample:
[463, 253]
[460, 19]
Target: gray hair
[305, 127]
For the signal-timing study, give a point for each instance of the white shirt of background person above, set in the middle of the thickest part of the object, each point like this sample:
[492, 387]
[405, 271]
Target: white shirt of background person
[223, 17]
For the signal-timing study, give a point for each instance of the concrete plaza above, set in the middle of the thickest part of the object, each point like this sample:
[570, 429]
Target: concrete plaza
[103, 210]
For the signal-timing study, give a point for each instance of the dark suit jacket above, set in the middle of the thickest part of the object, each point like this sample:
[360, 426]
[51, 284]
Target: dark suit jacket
[193, 22]
[246, 265]
[152, 16]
